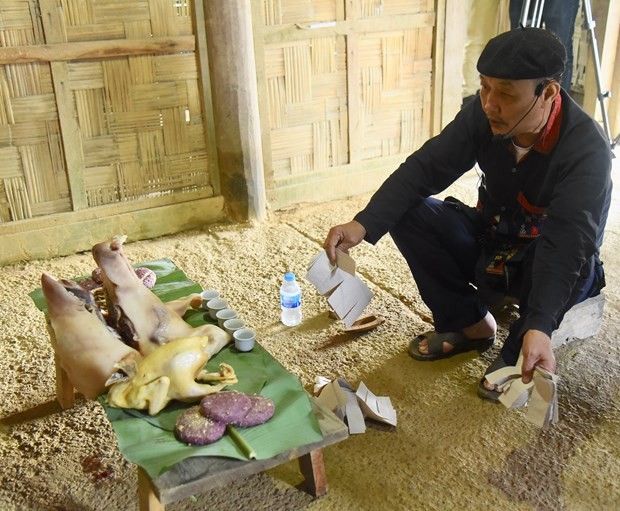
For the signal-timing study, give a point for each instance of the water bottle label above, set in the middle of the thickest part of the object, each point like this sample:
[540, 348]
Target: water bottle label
[290, 302]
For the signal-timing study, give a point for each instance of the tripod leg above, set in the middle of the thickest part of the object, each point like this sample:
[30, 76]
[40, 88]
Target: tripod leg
[538, 12]
[589, 25]
[534, 18]
[524, 12]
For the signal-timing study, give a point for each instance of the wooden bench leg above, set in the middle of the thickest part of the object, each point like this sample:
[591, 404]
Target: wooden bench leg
[65, 394]
[313, 470]
[146, 496]
[64, 390]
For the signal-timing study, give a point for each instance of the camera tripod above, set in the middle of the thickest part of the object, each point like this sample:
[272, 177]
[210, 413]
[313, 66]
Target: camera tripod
[534, 19]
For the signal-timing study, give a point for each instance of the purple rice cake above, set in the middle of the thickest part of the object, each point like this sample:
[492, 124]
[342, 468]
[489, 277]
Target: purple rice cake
[229, 406]
[195, 429]
[261, 411]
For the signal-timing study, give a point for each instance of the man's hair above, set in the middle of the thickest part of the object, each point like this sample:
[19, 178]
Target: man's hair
[524, 53]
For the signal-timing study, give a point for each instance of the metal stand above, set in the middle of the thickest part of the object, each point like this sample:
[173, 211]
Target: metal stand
[534, 20]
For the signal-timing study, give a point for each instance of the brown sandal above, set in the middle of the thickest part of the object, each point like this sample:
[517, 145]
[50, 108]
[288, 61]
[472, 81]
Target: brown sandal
[459, 340]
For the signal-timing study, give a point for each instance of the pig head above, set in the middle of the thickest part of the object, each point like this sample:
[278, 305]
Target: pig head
[140, 317]
[87, 349]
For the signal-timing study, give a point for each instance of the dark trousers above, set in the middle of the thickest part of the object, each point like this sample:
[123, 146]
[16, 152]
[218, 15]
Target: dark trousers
[441, 242]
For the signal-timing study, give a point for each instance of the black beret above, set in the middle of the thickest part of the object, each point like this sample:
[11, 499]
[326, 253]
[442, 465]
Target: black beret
[523, 53]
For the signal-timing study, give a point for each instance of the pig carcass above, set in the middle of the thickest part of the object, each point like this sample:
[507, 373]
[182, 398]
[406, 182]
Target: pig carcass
[170, 372]
[87, 349]
[140, 317]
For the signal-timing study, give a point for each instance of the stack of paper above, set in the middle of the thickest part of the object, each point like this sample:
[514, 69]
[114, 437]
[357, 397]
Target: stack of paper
[353, 405]
[348, 295]
[543, 407]
[539, 395]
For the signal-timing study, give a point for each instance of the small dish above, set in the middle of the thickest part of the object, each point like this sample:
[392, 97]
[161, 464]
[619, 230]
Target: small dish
[215, 305]
[244, 339]
[208, 295]
[230, 325]
[223, 315]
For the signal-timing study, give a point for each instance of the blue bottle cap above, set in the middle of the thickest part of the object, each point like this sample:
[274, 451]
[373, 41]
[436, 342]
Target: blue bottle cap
[289, 277]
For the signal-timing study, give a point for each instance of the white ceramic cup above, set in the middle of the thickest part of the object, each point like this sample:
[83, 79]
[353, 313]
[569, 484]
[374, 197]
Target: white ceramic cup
[207, 295]
[244, 339]
[223, 315]
[230, 325]
[215, 305]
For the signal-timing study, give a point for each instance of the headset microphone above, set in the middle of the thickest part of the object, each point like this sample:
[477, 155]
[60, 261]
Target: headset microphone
[537, 92]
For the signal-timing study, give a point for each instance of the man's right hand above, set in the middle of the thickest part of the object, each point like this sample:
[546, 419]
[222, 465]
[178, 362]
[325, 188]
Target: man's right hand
[343, 237]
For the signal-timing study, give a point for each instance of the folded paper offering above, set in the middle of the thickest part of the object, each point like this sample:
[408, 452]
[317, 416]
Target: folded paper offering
[539, 395]
[347, 294]
[340, 397]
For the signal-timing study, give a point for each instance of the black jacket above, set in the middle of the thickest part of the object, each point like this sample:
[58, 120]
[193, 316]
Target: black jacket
[567, 185]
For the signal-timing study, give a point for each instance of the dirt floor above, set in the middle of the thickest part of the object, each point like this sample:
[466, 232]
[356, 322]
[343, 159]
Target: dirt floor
[450, 449]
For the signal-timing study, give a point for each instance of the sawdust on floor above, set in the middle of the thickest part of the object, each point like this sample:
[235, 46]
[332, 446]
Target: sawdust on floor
[449, 451]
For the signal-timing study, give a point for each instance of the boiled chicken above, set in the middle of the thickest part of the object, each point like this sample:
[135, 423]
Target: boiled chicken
[170, 372]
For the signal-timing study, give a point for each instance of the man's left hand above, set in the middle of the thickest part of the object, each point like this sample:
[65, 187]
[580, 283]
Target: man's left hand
[536, 352]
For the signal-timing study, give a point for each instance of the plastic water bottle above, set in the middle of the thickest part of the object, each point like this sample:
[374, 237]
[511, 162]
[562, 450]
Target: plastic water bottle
[290, 300]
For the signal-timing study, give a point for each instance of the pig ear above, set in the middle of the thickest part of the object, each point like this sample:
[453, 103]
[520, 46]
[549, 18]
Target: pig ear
[180, 305]
[117, 241]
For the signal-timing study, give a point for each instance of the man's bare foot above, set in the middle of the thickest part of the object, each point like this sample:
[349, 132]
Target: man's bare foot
[486, 327]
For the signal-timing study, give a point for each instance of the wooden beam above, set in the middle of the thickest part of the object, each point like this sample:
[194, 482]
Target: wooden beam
[53, 22]
[77, 232]
[334, 183]
[117, 208]
[295, 32]
[61, 52]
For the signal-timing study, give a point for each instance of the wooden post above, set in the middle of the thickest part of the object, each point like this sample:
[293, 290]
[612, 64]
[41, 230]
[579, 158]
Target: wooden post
[438, 66]
[230, 46]
[449, 39]
[454, 40]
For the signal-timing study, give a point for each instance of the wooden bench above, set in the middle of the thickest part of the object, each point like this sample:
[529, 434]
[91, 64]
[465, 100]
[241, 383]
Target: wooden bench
[198, 474]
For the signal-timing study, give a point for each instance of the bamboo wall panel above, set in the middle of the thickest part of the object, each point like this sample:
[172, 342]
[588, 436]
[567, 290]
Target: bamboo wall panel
[307, 100]
[138, 118]
[32, 174]
[395, 91]
[345, 82]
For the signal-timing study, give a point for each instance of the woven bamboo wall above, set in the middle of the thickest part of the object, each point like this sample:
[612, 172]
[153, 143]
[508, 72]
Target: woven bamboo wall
[342, 84]
[77, 133]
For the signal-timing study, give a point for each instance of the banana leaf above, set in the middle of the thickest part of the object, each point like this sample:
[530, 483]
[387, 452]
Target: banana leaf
[149, 441]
